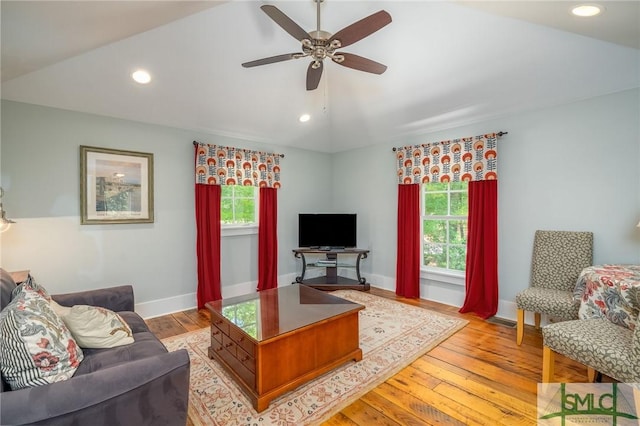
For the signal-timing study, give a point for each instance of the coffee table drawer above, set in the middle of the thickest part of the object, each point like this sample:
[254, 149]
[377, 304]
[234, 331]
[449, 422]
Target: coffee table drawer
[246, 359]
[216, 334]
[243, 341]
[219, 323]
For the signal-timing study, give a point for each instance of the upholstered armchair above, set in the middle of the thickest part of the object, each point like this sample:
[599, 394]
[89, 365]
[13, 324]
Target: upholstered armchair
[601, 345]
[557, 260]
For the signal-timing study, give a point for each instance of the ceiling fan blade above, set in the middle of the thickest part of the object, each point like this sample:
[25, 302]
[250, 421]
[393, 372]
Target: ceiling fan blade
[285, 22]
[361, 29]
[313, 75]
[270, 60]
[359, 63]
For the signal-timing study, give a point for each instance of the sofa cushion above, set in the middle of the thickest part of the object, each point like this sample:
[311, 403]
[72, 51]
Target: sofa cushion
[36, 348]
[135, 321]
[145, 345]
[93, 326]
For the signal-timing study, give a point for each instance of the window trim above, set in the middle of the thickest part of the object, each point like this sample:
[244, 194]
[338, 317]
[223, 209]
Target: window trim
[451, 276]
[234, 229]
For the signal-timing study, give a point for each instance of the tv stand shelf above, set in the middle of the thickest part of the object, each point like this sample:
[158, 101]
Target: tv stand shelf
[332, 260]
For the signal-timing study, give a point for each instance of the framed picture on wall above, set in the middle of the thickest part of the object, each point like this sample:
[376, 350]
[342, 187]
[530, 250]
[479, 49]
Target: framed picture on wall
[116, 186]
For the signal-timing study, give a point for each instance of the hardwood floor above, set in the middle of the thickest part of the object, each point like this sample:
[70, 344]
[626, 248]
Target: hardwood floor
[479, 376]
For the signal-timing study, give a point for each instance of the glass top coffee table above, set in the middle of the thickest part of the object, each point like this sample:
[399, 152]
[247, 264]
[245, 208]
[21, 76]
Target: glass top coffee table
[273, 341]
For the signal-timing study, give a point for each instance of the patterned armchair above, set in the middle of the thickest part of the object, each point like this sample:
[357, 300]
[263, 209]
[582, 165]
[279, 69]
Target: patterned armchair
[557, 260]
[599, 344]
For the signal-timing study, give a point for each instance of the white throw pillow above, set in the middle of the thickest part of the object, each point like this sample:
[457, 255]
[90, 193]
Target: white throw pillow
[94, 327]
[36, 348]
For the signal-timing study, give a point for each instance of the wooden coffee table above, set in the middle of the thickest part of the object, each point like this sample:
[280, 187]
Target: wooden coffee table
[273, 341]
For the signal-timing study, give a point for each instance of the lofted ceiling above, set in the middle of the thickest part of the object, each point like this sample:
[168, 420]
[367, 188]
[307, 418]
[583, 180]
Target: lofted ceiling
[450, 63]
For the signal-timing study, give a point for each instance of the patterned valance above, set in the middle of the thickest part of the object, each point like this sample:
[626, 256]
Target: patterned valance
[464, 159]
[223, 165]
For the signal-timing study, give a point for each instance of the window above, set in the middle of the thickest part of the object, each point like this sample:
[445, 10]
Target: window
[444, 225]
[239, 205]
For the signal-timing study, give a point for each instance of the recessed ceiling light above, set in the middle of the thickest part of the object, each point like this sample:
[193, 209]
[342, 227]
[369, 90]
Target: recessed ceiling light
[587, 10]
[141, 76]
[304, 118]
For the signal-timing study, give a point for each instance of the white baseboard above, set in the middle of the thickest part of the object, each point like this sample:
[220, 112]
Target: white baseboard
[170, 305]
[448, 294]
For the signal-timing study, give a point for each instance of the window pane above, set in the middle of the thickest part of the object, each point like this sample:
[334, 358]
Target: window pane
[459, 203]
[435, 231]
[436, 186]
[227, 191]
[445, 240]
[457, 257]
[435, 255]
[245, 210]
[245, 191]
[458, 231]
[226, 210]
[435, 204]
[455, 186]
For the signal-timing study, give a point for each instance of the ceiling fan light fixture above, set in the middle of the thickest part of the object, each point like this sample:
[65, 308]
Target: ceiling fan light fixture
[587, 10]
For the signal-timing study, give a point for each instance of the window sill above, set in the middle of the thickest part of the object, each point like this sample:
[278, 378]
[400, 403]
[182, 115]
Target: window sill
[237, 230]
[444, 276]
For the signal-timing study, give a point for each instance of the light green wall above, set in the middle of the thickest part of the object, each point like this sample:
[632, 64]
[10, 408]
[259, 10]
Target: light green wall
[40, 174]
[569, 167]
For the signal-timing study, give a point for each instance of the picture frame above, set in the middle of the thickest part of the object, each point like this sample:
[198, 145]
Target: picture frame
[116, 186]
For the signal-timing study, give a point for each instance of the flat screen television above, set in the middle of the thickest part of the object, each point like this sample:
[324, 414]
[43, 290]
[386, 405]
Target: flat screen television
[333, 230]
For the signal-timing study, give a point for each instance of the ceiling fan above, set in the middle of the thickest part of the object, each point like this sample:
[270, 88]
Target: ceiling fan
[319, 44]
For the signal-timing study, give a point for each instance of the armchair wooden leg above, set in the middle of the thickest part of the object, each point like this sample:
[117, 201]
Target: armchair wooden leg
[520, 327]
[536, 317]
[548, 359]
[591, 374]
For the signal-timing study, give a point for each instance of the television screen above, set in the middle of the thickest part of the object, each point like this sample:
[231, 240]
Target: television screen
[333, 230]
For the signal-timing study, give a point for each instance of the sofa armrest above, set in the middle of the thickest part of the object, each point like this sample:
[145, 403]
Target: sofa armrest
[137, 392]
[114, 298]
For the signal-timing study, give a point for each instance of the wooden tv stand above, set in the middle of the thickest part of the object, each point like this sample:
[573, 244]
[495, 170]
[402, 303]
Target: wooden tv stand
[330, 260]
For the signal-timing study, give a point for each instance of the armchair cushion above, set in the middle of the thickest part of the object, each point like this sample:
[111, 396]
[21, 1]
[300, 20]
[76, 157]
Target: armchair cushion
[597, 343]
[558, 304]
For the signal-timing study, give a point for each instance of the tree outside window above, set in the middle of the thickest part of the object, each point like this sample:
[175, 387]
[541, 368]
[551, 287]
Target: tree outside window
[444, 225]
[238, 205]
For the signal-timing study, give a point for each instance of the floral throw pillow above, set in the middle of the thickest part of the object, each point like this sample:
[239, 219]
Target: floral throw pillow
[36, 348]
[94, 327]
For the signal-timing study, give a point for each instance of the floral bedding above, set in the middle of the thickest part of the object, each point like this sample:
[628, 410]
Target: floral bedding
[610, 291]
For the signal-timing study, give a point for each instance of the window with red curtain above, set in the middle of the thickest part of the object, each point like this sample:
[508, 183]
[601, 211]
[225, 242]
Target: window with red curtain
[474, 160]
[217, 165]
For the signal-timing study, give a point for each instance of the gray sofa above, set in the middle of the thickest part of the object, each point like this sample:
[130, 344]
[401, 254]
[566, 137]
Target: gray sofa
[136, 384]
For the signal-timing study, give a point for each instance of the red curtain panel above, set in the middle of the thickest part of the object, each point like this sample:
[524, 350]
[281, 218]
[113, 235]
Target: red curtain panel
[408, 254]
[482, 250]
[268, 239]
[208, 242]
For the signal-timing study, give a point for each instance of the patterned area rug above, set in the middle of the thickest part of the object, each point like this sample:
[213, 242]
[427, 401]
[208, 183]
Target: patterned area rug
[392, 335]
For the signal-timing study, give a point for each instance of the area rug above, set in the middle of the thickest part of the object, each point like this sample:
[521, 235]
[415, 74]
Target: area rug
[392, 335]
